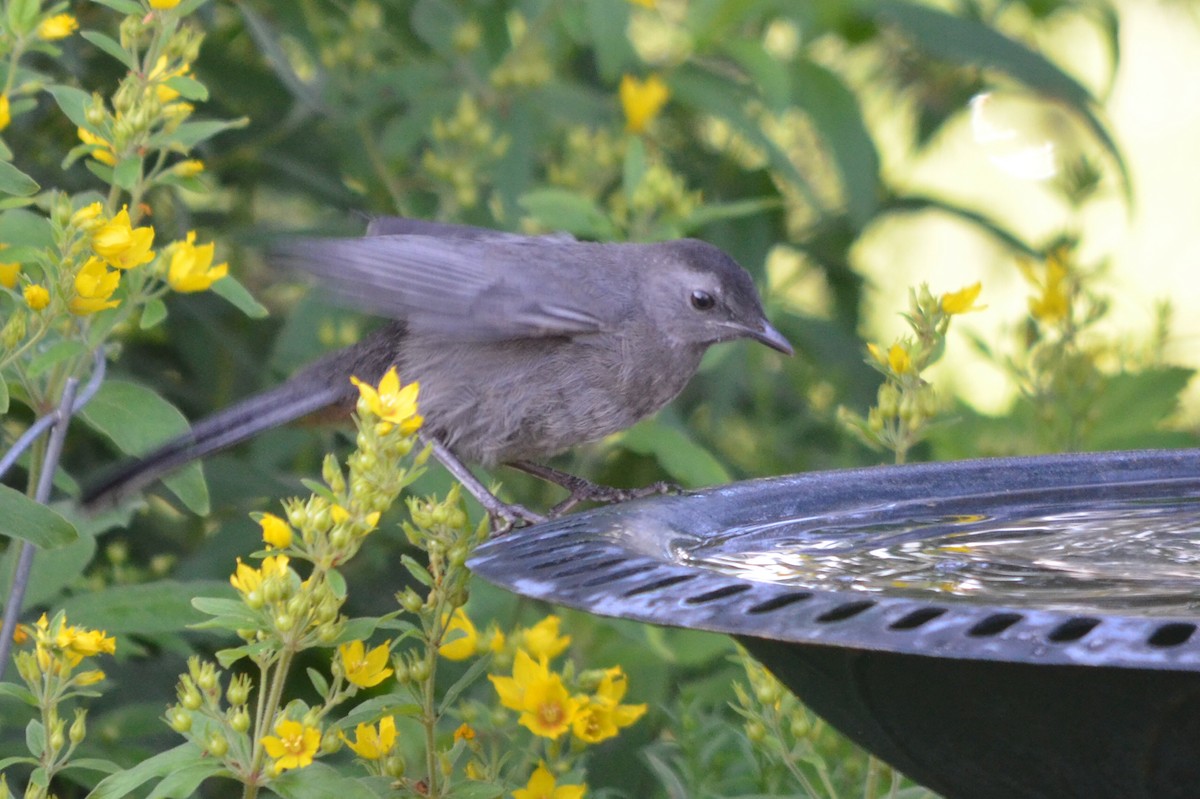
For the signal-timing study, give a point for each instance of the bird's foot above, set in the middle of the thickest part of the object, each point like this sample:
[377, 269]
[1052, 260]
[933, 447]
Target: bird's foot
[505, 516]
[584, 490]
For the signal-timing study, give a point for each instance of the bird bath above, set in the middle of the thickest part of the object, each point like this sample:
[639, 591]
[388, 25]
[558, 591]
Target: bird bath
[1017, 628]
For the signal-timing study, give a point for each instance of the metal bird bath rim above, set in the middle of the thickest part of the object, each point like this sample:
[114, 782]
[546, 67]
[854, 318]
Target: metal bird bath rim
[974, 700]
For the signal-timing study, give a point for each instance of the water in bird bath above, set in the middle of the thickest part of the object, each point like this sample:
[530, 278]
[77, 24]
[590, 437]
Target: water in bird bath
[1107, 549]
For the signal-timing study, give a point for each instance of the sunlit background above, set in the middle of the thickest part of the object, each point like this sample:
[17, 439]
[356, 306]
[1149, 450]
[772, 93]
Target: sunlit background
[1154, 111]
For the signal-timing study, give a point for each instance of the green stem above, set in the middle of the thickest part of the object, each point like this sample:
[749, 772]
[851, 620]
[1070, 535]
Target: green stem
[429, 718]
[266, 712]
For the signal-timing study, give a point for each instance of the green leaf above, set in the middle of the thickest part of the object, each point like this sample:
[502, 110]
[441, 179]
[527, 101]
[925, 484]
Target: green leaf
[916, 203]
[145, 608]
[19, 692]
[74, 103]
[125, 782]
[188, 88]
[680, 456]
[128, 172]
[53, 569]
[22, 15]
[564, 210]
[92, 764]
[153, 313]
[710, 94]
[21, 517]
[607, 25]
[35, 738]
[1154, 392]
[230, 614]
[182, 782]
[127, 7]
[110, 46]
[319, 683]
[721, 212]
[229, 289]
[12, 761]
[968, 41]
[137, 419]
[189, 134]
[435, 22]
[767, 73]
[833, 109]
[22, 228]
[469, 678]
[319, 781]
[419, 572]
[56, 354]
[15, 182]
[4, 398]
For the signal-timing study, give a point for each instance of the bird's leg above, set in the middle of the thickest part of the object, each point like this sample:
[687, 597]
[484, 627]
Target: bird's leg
[510, 514]
[584, 490]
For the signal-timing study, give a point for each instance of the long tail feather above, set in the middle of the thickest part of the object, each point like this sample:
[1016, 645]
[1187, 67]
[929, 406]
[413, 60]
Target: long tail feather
[291, 400]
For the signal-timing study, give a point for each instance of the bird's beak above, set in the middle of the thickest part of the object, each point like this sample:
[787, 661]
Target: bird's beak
[772, 338]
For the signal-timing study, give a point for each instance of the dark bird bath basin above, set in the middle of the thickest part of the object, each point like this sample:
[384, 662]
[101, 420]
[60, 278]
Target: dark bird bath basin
[1018, 628]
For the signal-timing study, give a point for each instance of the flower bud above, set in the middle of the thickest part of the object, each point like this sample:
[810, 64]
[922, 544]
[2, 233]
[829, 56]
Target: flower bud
[239, 720]
[78, 729]
[239, 690]
[216, 744]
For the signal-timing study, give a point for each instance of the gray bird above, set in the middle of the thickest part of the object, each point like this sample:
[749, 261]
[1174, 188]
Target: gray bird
[524, 346]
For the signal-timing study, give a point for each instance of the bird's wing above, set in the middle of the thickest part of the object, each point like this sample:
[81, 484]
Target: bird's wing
[462, 287]
[401, 225]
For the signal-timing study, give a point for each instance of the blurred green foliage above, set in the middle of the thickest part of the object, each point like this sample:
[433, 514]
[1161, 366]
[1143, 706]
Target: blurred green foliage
[506, 113]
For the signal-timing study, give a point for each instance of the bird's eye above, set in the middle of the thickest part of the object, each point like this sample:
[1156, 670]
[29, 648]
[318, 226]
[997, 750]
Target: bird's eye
[702, 300]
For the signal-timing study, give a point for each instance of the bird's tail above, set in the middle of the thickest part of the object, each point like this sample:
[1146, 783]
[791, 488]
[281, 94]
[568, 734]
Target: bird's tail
[292, 400]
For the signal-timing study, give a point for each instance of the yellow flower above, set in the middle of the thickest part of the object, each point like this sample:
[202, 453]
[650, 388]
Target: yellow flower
[293, 745]
[60, 26]
[275, 531]
[338, 513]
[602, 715]
[85, 643]
[464, 733]
[542, 639]
[36, 297]
[372, 744]
[5, 111]
[364, 669]
[642, 100]
[102, 149]
[88, 217]
[246, 579]
[542, 785]
[160, 5]
[645, 3]
[1054, 302]
[189, 168]
[546, 707]
[160, 75]
[122, 245]
[94, 286]
[899, 359]
[391, 403]
[91, 677]
[963, 300]
[8, 274]
[191, 267]
[463, 645]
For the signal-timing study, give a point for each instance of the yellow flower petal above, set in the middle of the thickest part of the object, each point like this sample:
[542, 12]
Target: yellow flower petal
[364, 669]
[60, 26]
[293, 745]
[36, 297]
[642, 100]
[275, 531]
[462, 638]
[963, 300]
[5, 111]
[542, 639]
